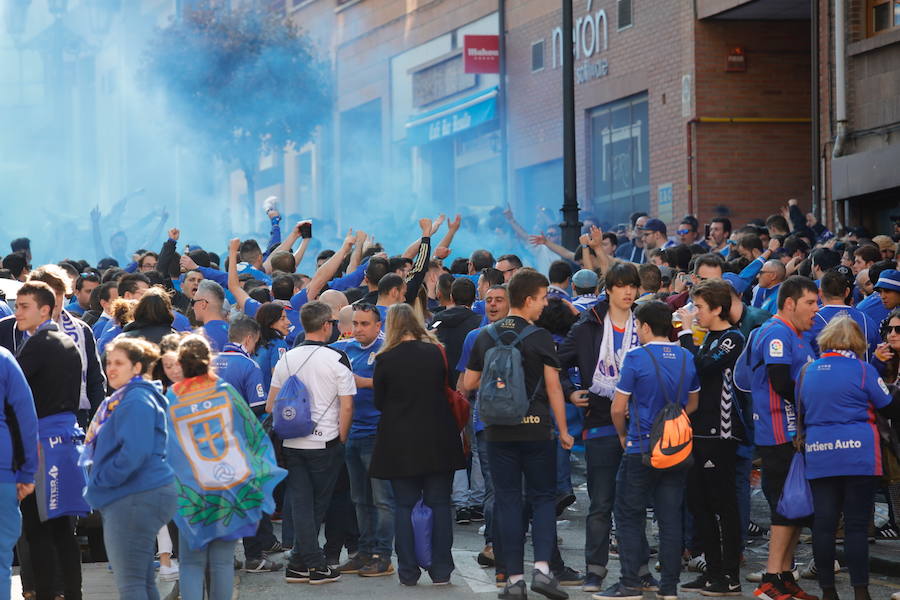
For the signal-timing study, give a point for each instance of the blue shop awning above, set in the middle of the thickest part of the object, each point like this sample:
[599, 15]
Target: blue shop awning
[453, 118]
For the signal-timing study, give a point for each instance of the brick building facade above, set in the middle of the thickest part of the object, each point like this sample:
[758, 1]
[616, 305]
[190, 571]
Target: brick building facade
[681, 107]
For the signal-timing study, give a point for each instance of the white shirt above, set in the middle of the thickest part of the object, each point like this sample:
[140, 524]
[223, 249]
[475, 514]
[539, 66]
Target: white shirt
[327, 374]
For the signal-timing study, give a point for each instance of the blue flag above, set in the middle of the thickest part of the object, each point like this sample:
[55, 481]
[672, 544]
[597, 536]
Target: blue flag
[225, 469]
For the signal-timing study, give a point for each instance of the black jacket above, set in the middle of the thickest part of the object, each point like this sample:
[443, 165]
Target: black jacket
[416, 431]
[52, 366]
[452, 326]
[152, 332]
[95, 380]
[581, 349]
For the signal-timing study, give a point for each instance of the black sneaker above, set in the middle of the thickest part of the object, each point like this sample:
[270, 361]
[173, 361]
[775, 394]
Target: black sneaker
[618, 592]
[476, 513]
[514, 591]
[563, 502]
[294, 574]
[754, 530]
[323, 575]
[486, 557]
[721, 587]
[354, 564]
[649, 583]
[463, 516]
[273, 549]
[261, 565]
[378, 566]
[887, 532]
[547, 585]
[569, 577]
[696, 585]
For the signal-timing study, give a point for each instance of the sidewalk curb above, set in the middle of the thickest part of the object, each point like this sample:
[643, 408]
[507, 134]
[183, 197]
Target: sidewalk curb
[878, 561]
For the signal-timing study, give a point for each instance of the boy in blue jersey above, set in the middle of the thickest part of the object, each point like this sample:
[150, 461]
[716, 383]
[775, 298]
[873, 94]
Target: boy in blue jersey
[834, 290]
[774, 360]
[639, 395]
[372, 498]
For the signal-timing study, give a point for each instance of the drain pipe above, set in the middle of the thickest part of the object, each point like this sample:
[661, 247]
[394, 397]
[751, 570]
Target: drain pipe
[840, 79]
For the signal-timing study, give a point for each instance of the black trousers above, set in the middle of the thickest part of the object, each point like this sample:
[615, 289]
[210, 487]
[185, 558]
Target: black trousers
[712, 500]
[854, 496]
[53, 537]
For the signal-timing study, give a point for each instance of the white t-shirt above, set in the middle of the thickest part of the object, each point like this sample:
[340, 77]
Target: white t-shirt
[327, 374]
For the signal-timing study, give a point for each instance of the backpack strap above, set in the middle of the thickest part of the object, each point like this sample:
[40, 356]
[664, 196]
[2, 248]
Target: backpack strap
[305, 360]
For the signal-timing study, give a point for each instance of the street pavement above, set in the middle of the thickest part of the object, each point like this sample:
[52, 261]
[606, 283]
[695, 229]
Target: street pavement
[471, 581]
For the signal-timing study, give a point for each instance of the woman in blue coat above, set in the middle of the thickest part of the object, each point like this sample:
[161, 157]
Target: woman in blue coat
[838, 396]
[131, 484]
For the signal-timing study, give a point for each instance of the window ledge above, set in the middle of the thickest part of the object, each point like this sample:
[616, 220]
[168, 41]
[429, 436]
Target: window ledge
[873, 43]
[347, 5]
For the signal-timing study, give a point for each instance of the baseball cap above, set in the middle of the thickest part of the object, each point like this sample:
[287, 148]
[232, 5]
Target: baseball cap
[889, 280]
[585, 278]
[654, 225]
[739, 285]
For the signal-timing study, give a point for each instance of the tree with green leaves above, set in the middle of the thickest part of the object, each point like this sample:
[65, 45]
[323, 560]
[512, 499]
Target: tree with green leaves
[245, 82]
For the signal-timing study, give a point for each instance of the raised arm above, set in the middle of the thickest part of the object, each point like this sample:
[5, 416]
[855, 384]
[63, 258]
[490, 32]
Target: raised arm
[167, 252]
[420, 264]
[234, 284]
[541, 240]
[517, 229]
[287, 245]
[324, 273]
[356, 255]
[452, 228]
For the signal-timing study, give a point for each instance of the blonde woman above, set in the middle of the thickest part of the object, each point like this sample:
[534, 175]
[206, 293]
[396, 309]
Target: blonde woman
[838, 396]
[417, 446]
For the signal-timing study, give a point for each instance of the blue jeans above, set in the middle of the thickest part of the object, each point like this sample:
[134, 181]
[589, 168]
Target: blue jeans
[536, 461]
[603, 455]
[312, 475]
[218, 556]
[434, 489]
[636, 486]
[372, 498]
[130, 525]
[485, 465]
[10, 528]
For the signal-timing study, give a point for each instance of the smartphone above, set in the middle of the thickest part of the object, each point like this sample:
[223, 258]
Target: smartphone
[706, 230]
[306, 230]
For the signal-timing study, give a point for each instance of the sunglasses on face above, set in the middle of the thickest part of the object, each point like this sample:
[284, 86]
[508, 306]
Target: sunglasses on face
[684, 231]
[893, 329]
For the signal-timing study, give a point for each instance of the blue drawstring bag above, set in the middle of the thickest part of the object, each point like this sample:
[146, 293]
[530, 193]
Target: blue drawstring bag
[796, 500]
[422, 524]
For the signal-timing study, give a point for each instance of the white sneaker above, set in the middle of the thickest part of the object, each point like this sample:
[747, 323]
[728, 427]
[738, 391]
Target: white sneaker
[810, 571]
[697, 564]
[169, 573]
[481, 530]
[756, 576]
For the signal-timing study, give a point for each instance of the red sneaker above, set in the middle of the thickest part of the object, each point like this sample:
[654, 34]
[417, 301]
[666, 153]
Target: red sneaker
[770, 591]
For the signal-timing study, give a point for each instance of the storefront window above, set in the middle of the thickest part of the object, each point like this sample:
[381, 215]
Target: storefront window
[620, 158]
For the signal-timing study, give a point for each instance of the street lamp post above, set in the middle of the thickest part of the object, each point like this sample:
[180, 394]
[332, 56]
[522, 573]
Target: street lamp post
[571, 226]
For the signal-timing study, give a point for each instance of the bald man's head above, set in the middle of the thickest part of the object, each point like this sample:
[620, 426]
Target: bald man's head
[335, 300]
